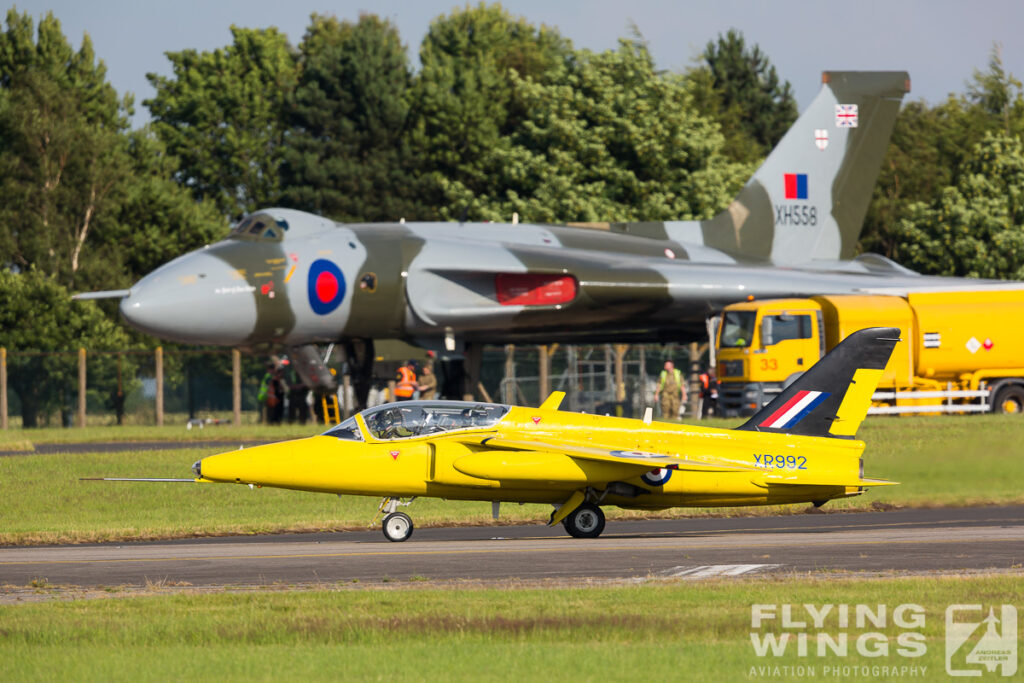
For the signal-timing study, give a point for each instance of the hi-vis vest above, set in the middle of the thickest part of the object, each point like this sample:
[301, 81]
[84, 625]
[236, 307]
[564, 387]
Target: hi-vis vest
[678, 376]
[406, 384]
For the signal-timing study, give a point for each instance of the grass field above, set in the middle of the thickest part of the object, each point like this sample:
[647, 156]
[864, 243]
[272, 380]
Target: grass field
[653, 632]
[939, 461]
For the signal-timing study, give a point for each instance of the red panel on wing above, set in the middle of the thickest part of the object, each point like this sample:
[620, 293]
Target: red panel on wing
[534, 289]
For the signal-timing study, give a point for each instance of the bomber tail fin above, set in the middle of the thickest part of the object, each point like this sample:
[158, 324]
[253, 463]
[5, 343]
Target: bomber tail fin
[833, 397]
[808, 199]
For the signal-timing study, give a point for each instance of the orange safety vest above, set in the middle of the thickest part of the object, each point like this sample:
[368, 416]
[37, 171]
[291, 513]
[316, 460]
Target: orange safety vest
[407, 384]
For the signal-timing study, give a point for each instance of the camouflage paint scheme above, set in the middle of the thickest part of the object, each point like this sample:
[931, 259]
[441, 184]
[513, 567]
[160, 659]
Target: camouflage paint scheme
[284, 277]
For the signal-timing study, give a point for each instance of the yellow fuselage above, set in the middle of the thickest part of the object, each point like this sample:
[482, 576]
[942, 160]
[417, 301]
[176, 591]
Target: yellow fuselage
[460, 465]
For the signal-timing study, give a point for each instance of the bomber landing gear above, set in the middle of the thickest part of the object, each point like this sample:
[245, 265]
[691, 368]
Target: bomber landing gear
[397, 526]
[586, 521]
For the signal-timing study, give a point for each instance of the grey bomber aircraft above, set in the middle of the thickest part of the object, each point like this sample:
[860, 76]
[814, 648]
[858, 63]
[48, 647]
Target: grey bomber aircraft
[287, 278]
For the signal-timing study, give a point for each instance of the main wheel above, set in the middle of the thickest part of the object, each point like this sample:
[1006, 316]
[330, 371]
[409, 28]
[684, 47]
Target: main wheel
[397, 527]
[1010, 399]
[586, 521]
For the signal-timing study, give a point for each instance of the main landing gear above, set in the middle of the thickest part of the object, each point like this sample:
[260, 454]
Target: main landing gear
[397, 526]
[586, 521]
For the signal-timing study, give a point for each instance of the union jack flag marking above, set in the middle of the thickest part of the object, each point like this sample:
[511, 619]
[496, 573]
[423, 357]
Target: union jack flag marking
[846, 116]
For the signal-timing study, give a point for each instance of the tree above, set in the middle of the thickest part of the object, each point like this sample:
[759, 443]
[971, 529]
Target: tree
[463, 96]
[610, 141]
[347, 152]
[976, 228]
[749, 90]
[222, 115]
[930, 148]
[37, 318]
[61, 152]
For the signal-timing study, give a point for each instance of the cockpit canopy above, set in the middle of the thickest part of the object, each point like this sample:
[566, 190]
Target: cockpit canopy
[260, 227]
[420, 418]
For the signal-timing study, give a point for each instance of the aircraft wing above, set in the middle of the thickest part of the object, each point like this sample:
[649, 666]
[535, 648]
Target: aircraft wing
[641, 459]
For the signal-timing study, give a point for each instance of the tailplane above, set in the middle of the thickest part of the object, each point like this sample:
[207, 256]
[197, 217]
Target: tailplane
[833, 397]
[808, 199]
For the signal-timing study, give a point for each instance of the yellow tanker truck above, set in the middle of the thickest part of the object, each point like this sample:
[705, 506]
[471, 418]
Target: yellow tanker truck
[960, 351]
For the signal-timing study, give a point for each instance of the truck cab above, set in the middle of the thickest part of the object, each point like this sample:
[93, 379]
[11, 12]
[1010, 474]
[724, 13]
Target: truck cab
[762, 348]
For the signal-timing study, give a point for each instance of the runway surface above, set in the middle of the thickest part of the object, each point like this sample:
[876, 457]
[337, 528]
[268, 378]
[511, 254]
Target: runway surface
[938, 540]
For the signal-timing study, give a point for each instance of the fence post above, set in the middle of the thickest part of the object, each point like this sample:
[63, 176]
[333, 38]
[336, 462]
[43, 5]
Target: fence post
[620, 384]
[3, 388]
[236, 386]
[81, 387]
[158, 360]
[346, 382]
[694, 395]
[543, 370]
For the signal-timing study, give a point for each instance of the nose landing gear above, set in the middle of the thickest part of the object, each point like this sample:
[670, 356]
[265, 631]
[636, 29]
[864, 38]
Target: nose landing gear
[397, 526]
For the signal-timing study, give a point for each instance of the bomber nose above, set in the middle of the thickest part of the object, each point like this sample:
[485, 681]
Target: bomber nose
[197, 299]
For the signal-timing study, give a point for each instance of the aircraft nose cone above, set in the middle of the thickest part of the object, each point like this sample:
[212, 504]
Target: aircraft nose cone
[196, 299]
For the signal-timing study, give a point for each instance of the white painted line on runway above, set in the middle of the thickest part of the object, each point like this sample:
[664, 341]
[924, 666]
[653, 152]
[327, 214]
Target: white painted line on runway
[708, 570]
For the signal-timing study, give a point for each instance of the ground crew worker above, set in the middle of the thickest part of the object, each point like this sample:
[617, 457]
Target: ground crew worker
[671, 389]
[428, 383]
[405, 382]
[708, 393]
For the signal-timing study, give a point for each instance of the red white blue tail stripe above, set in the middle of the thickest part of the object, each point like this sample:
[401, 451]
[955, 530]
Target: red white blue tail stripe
[795, 409]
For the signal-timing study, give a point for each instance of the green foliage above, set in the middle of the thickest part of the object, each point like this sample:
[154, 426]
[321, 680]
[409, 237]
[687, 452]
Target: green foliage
[62, 157]
[83, 200]
[751, 99]
[947, 201]
[222, 116]
[609, 140]
[976, 228]
[464, 96]
[347, 152]
[37, 316]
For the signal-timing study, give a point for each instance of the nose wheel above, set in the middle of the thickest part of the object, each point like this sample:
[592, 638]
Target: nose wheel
[397, 526]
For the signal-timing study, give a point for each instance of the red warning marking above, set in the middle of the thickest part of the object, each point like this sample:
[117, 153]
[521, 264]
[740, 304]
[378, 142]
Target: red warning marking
[536, 420]
[394, 454]
[267, 288]
[988, 344]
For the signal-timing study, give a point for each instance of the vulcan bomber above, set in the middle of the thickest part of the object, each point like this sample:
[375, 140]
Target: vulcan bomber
[285, 278]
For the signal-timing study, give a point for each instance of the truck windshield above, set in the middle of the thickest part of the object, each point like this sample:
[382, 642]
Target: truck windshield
[737, 328]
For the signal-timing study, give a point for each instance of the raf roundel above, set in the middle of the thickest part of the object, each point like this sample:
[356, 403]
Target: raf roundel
[326, 287]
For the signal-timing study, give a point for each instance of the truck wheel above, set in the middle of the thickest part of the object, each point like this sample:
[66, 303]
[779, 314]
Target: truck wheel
[1009, 400]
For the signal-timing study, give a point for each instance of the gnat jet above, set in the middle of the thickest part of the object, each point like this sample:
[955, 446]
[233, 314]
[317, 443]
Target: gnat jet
[799, 448]
[288, 278]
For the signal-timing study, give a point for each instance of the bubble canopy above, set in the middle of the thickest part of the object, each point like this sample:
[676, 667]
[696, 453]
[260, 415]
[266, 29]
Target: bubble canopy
[410, 419]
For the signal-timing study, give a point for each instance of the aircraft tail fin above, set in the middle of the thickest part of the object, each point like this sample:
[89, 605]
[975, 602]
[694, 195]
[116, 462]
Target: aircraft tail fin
[833, 396]
[808, 199]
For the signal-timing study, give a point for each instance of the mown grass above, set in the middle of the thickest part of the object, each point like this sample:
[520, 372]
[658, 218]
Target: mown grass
[26, 439]
[658, 632]
[939, 461]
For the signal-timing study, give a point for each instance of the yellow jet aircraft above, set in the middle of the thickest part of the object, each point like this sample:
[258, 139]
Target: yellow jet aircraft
[799, 448]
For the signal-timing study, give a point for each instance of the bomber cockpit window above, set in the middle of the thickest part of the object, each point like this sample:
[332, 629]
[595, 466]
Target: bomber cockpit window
[261, 226]
[421, 418]
[346, 431]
